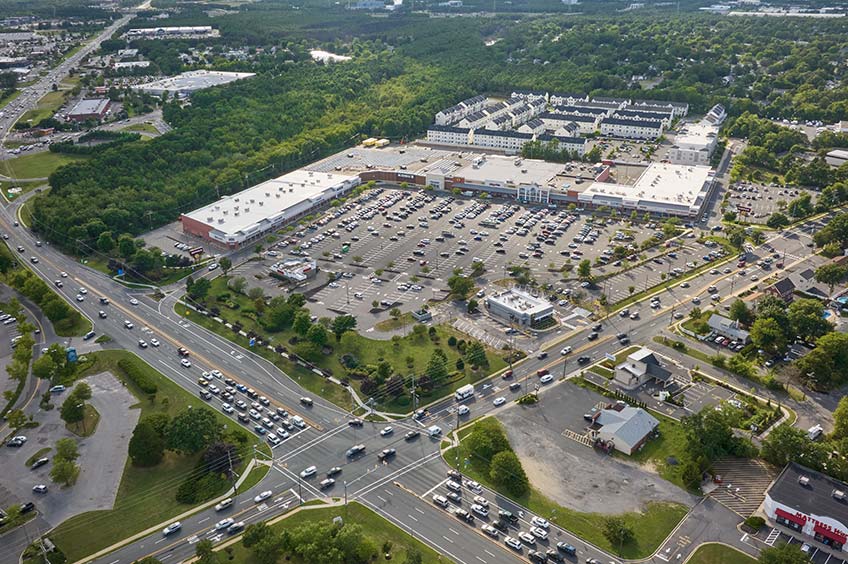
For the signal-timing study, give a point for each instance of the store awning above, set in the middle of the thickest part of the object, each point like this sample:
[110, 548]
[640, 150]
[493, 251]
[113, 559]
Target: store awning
[837, 536]
[800, 520]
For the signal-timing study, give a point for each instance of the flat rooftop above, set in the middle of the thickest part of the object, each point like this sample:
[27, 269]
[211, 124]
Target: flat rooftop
[519, 300]
[660, 184]
[816, 498]
[194, 80]
[267, 201]
[92, 106]
[512, 170]
[696, 134]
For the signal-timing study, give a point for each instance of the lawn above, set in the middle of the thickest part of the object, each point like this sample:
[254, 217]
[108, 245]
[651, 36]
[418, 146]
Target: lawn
[374, 527]
[24, 186]
[714, 553]
[88, 425]
[142, 128]
[36, 165]
[650, 527]
[408, 355]
[146, 495]
[46, 107]
[405, 320]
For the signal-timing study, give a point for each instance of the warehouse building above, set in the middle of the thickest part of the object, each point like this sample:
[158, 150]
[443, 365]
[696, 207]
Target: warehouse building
[251, 214]
[810, 505]
[93, 109]
[185, 84]
[518, 307]
[172, 32]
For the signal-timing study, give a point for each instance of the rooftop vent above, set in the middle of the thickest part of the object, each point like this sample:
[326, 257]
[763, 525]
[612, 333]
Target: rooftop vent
[838, 495]
[804, 480]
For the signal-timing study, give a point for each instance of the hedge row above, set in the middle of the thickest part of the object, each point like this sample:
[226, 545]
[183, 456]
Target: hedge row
[136, 373]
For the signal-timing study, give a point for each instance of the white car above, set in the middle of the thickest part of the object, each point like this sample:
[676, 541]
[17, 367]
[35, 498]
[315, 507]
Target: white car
[308, 472]
[527, 537]
[213, 266]
[480, 510]
[40, 488]
[463, 410]
[539, 533]
[227, 408]
[273, 439]
[224, 523]
[540, 522]
[513, 543]
[63, 274]
[480, 500]
[154, 342]
[546, 378]
[83, 291]
[216, 374]
[565, 350]
[128, 324]
[262, 496]
[473, 486]
[80, 298]
[134, 301]
[172, 528]
[224, 504]
[185, 362]
[386, 431]
[499, 401]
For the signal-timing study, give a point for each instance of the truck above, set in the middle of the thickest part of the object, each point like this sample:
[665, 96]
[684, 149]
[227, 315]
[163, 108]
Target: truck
[381, 143]
[370, 142]
[434, 430]
[464, 392]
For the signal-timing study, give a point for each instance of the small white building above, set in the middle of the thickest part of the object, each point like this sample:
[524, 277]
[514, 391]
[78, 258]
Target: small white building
[695, 144]
[729, 328]
[623, 427]
[640, 367]
[295, 269]
[518, 307]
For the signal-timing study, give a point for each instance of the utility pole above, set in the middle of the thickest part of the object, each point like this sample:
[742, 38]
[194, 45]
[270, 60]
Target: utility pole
[345, 493]
[564, 363]
[300, 490]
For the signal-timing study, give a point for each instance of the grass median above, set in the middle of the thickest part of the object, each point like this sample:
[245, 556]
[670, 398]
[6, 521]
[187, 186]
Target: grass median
[146, 496]
[714, 553]
[650, 527]
[375, 528]
[36, 165]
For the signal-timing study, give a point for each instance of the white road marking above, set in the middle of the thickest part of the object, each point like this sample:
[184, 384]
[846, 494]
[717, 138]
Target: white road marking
[411, 517]
[489, 553]
[203, 520]
[454, 532]
[480, 559]
[381, 498]
[447, 539]
[160, 540]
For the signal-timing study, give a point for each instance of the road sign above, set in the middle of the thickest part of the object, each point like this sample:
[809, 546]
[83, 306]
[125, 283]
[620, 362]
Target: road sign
[610, 356]
[196, 251]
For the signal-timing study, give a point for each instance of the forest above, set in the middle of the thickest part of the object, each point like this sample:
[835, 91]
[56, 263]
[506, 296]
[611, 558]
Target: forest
[404, 69]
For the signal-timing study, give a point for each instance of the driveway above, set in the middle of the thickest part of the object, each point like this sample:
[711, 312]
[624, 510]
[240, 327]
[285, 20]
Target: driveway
[574, 475]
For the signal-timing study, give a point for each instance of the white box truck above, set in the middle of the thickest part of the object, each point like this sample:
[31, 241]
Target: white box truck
[434, 431]
[464, 392]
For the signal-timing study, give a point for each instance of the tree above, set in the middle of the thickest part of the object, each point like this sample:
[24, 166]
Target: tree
[193, 430]
[476, 354]
[72, 410]
[395, 313]
[105, 242]
[147, 447]
[740, 312]
[460, 286]
[317, 335]
[220, 456]
[64, 471]
[506, 471]
[225, 264]
[768, 335]
[67, 448]
[237, 284]
[806, 317]
[205, 553]
[617, 532]
[840, 419]
[827, 364]
[256, 533]
[584, 269]
[437, 369]
[413, 556]
[148, 560]
[786, 444]
[44, 367]
[342, 324]
[126, 246]
[302, 323]
[16, 419]
[199, 289]
[486, 440]
[783, 554]
[831, 274]
[256, 293]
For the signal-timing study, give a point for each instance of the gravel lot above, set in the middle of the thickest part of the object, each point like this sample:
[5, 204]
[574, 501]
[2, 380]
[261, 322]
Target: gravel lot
[574, 475]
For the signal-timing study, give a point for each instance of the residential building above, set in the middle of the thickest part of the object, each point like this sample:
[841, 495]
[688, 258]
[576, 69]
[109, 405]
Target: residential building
[92, 109]
[810, 505]
[574, 144]
[716, 115]
[783, 289]
[172, 32]
[622, 427]
[694, 144]
[579, 110]
[448, 135]
[728, 328]
[641, 367]
[631, 128]
[586, 124]
[561, 99]
[679, 109]
[251, 214]
[665, 117]
[455, 113]
[535, 126]
[518, 307]
[509, 141]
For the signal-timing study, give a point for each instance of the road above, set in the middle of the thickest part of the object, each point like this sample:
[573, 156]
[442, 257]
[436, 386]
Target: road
[31, 94]
[399, 489]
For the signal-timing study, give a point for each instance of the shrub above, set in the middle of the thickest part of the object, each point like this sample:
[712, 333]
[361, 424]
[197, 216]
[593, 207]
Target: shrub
[755, 522]
[136, 374]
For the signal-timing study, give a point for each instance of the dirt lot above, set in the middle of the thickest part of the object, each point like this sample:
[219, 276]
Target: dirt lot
[572, 474]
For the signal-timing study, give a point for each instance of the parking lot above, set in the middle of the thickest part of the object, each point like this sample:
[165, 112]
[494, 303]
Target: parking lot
[594, 482]
[780, 535]
[755, 202]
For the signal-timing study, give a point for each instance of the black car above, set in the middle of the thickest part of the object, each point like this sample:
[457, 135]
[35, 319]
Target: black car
[597, 327]
[229, 381]
[454, 474]
[27, 507]
[583, 360]
[386, 453]
[535, 556]
[454, 497]
[333, 471]
[410, 435]
[514, 386]
[355, 423]
[39, 463]
[592, 336]
[553, 555]
[567, 548]
[502, 526]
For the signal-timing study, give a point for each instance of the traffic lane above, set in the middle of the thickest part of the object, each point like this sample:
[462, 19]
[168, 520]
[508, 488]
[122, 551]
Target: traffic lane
[459, 541]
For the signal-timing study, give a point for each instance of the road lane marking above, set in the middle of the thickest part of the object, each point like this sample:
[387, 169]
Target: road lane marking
[411, 517]
[489, 553]
[480, 559]
[454, 532]
[447, 539]
[203, 520]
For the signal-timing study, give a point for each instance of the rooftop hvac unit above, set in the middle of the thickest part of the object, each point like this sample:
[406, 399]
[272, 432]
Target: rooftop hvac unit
[267, 194]
[804, 480]
[236, 214]
[291, 190]
[252, 200]
[221, 220]
[838, 495]
[236, 199]
[246, 210]
[210, 219]
[261, 203]
[226, 212]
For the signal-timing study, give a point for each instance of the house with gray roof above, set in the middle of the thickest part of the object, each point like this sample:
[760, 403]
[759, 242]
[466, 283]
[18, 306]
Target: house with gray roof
[640, 367]
[623, 427]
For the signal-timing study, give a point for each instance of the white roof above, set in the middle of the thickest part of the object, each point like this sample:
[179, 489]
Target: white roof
[193, 80]
[495, 168]
[521, 301]
[266, 203]
[661, 185]
[697, 136]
